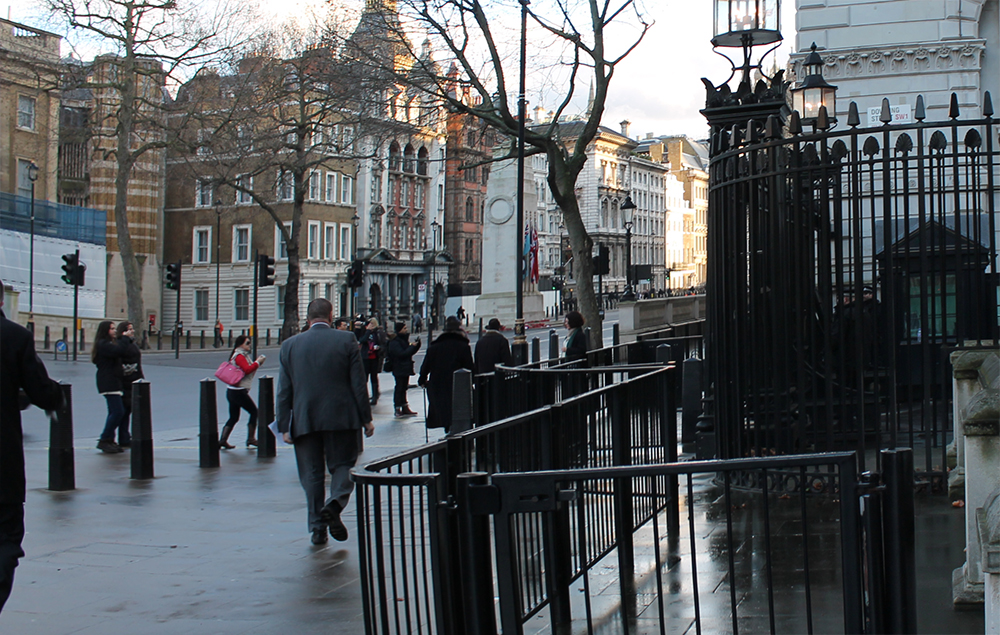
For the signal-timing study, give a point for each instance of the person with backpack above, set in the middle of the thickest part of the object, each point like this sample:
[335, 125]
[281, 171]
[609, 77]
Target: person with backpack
[238, 395]
[372, 344]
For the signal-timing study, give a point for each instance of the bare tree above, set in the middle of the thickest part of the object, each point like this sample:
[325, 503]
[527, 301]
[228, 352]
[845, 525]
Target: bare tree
[473, 35]
[290, 108]
[148, 44]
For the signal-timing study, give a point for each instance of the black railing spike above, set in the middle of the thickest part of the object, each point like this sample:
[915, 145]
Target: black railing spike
[920, 113]
[987, 105]
[773, 127]
[953, 108]
[794, 123]
[886, 116]
[853, 119]
[822, 119]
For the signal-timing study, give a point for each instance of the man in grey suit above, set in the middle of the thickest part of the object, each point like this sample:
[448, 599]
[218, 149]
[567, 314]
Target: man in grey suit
[322, 402]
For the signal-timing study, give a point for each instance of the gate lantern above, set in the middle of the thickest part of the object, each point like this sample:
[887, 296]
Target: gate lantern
[813, 94]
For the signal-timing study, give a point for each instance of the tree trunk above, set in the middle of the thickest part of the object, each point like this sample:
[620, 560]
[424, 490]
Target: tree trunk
[290, 325]
[126, 161]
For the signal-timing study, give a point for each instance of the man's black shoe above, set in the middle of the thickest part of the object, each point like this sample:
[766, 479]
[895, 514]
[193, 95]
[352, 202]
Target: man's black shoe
[331, 516]
[108, 447]
[319, 536]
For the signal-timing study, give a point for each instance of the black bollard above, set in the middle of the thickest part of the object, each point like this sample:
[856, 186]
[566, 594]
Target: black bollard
[159, 340]
[480, 327]
[691, 391]
[83, 343]
[47, 342]
[536, 350]
[65, 336]
[587, 337]
[188, 341]
[553, 346]
[208, 426]
[230, 338]
[202, 339]
[62, 473]
[267, 338]
[461, 404]
[266, 445]
[142, 431]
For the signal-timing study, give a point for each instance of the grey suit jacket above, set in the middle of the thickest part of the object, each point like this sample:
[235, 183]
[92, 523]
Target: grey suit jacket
[321, 383]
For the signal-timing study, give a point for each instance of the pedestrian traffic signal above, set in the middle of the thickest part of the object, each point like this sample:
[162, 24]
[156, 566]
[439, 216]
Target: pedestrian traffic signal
[265, 271]
[174, 275]
[602, 262]
[73, 270]
[356, 274]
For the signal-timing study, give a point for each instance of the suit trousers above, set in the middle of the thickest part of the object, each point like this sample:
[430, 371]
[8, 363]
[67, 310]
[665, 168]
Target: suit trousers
[338, 450]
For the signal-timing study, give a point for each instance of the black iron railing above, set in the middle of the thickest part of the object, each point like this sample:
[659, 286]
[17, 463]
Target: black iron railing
[842, 266]
[411, 576]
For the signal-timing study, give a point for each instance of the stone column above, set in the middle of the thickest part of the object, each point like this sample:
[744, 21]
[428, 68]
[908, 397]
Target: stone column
[988, 524]
[977, 420]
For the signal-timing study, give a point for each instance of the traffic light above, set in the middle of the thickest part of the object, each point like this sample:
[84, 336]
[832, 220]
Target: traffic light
[265, 271]
[174, 275]
[69, 268]
[356, 274]
[602, 262]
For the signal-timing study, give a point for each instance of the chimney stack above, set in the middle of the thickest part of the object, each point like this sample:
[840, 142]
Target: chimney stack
[625, 124]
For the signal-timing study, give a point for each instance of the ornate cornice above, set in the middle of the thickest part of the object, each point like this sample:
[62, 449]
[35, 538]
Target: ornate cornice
[940, 57]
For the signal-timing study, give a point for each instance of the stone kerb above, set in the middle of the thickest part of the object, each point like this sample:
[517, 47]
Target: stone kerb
[976, 377]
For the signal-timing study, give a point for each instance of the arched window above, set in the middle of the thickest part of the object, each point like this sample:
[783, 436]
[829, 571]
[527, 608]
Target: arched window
[470, 210]
[422, 157]
[604, 213]
[394, 157]
[408, 159]
[614, 215]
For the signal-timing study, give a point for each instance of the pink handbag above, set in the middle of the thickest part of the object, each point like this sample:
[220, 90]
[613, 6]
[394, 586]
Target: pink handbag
[229, 373]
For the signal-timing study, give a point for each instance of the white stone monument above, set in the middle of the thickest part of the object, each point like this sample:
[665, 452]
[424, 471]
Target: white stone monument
[501, 247]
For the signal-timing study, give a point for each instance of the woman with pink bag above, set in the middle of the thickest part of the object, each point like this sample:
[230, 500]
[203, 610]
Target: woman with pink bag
[238, 395]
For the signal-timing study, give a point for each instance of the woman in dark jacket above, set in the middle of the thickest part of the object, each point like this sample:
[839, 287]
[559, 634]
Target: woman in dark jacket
[576, 341]
[400, 358]
[131, 371]
[372, 343]
[107, 354]
[448, 353]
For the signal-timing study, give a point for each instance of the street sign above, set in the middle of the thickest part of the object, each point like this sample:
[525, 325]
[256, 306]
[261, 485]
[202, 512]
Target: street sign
[901, 113]
[61, 346]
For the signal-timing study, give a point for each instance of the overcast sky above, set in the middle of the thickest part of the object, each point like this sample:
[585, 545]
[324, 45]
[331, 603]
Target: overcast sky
[657, 87]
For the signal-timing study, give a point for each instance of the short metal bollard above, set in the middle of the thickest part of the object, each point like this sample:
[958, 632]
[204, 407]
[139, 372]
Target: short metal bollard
[187, 345]
[461, 404]
[202, 339]
[159, 340]
[230, 338]
[536, 350]
[142, 431]
[553, 346]
[47, 341]
[266, 443]
[208, 426]
[267, 338]
[65, 336]
[62, 470]
[83, 341]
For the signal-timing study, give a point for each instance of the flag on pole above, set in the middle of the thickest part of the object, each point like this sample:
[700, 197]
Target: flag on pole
[530, 253]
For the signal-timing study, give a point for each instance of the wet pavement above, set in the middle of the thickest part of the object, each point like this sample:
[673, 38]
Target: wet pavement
[226, 550]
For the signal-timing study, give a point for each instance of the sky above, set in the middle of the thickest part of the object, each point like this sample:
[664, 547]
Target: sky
[657, 87]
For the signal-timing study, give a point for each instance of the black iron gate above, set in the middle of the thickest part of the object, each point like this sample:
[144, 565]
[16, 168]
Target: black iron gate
[843, 266]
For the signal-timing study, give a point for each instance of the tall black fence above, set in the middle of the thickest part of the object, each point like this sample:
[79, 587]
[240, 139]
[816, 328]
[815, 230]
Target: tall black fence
[843, 266]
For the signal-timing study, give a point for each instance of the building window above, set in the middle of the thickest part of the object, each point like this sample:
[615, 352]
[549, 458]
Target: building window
[405, 240]
[201, 305]
[328, 291]
[392, 191]
[470, 210]
[469, 250]
[203, 192]
[241, 243]
[345, 242]
[281, 245]
[347, 190]
[376, 187]
[440, 197]
[285, 186]
[23, 181]
[202, 246]
[418, 195]
[204, 141]
[25, 112]
[329, 240]
[244, 185]
[314, 186]
[331, 187]
[241, 305]
[404, 193]
[280, 290]
[313, 246]
[313, 291]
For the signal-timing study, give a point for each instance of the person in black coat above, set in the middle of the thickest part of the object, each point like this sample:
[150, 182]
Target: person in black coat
[400, 358]
[107, 353]
[448, 353]
[131, 371]
[20, 369]
[372, 343]
[492, 348]
[576, 341]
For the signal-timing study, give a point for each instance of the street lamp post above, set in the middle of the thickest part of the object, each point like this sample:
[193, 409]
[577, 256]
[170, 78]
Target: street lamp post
[218, 259]
[519, 350]
[628, 208]
[32, 176]
[432, 290]
[355, 220]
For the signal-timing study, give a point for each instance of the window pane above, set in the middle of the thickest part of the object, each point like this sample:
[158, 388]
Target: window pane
[242, 308]
[26, 112]
[328, 245]
[201, 305]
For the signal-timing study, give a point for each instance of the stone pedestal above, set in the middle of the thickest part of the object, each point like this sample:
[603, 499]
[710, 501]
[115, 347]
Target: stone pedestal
[501, 247]
[977, 429]
[988, 529]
